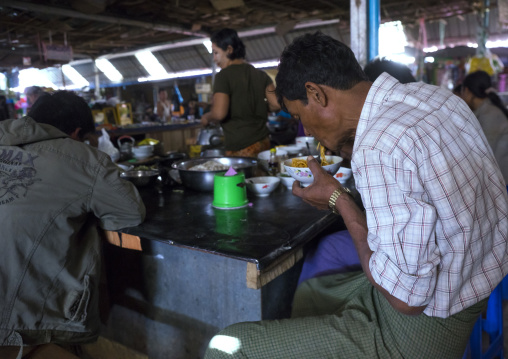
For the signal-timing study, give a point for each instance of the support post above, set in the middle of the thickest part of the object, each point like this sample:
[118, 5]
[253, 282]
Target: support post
[358, 26]
[374, 21]
[97, 91]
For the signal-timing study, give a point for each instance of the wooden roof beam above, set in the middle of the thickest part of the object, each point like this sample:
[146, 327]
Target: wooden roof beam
[44, 9]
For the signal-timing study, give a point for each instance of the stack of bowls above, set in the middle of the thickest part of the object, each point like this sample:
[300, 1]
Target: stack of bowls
[142, 152]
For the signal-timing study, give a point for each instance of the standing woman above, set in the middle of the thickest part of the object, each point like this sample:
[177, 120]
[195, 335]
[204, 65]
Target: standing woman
[481, 97]
[164, 106]
[242, 98]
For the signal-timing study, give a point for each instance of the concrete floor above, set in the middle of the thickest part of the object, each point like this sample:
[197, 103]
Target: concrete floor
[107, 349]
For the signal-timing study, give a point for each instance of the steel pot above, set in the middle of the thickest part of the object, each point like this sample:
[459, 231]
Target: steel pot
[210, 135]
[203, 180]
[213, 152]
[141, 178]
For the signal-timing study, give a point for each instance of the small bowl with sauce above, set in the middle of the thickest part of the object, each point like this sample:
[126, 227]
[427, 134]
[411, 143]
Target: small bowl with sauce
[343, 174]
[262, 186]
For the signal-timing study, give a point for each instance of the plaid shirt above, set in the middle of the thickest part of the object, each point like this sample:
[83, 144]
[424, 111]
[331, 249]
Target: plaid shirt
[435, 200]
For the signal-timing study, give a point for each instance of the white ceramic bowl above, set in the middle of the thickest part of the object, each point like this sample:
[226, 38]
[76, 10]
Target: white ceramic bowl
[264, 157]
[142, 152]
[294, 150]
[343, 174]
[262, 186]
[302, 141]
[304, 174]
[286, 180]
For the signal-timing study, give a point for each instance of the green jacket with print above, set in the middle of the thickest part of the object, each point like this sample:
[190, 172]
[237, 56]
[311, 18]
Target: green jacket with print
[54, 193]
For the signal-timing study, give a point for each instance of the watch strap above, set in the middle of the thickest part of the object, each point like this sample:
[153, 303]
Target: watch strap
[335, 195]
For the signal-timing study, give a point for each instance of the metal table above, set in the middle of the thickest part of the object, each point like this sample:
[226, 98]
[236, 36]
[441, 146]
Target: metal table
[205, 268]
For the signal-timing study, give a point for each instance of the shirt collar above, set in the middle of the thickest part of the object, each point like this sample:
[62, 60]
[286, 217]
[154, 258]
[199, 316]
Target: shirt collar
[377, 95]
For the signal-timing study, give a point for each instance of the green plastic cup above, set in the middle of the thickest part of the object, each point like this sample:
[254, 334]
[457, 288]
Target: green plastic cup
[229, 191]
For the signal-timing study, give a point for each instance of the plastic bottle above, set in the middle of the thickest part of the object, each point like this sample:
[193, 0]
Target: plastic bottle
[273, 163]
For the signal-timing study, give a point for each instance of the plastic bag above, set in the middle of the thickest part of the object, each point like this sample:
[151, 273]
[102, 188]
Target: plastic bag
[106, 146]
[490, 63]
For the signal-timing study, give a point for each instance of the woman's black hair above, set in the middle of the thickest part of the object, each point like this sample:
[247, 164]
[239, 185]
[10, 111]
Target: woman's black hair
[229, 37]
[316, 58]
[400, 71]
[457, 90]
[480, 85]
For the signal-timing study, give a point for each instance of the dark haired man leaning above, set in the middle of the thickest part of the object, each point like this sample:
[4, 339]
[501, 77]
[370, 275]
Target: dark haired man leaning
[432, 241]
[55, 191]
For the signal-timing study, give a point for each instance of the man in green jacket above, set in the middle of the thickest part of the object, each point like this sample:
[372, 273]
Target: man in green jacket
[55, 191]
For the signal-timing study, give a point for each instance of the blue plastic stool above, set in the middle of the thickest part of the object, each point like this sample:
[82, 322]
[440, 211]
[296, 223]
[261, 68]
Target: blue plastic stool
[504, 288]
[492, 324]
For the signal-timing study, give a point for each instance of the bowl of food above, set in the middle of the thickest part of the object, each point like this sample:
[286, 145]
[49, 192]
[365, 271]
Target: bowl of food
[297, 168]
[142, 152]
[141, 178]
[262, 186]
[198, 173]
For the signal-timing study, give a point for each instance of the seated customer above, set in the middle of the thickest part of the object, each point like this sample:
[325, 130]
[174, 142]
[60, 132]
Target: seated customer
[32, 94]
[335, 253]
[433, 239]
[55, 191]
[193, 108]
[491, 112]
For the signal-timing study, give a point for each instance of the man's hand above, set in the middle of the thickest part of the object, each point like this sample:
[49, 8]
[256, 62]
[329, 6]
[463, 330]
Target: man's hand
[318, 193]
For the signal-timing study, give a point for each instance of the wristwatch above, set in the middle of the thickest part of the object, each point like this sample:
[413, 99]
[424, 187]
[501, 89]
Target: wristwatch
[335, 195]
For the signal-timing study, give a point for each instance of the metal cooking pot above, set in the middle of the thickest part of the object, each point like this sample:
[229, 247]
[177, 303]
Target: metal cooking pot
[141, 178]
[210, 135]
[203, 180]
[213, 152]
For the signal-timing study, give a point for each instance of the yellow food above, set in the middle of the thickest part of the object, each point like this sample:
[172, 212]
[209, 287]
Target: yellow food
[323, 155]
[300, 163]
[295, 162]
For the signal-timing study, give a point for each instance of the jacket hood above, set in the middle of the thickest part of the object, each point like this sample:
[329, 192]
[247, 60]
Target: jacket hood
[25, 130]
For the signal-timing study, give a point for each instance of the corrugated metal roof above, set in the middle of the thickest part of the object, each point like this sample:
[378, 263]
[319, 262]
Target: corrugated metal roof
[463, 29]
[130, 68]
[262, 47]
[266, 45]
[184, 58]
